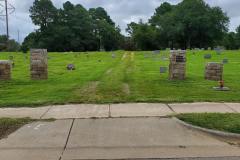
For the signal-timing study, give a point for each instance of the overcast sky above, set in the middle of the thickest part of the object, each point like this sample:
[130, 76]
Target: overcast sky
[121, 11]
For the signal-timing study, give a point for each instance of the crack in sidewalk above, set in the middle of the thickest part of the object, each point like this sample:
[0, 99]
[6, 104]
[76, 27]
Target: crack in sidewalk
[46, 112]
[69, 133]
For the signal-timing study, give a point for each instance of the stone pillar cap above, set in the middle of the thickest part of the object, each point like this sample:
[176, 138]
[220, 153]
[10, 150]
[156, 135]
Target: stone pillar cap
[5, 62]
[178, 51]
[37, 50]
[214, 63]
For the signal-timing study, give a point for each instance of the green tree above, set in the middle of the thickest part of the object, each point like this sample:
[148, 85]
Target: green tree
[3, 42]
[238, 37]
[164, 19]
[160, 14]
[8, 45]
[108, 35]
[100, 14]
[71, 28]
[76, 26]
[29, 42]
[12, 46]
[143, 35]
[230, 41]
[191, 23]
[42, 13]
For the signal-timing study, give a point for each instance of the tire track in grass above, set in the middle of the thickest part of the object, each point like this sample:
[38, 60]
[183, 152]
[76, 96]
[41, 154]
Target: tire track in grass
[88, 92]
[132, 56]
[114, 87]
[124, 56]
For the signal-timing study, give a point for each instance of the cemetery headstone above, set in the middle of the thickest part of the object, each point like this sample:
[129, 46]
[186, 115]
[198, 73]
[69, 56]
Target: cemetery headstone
[163, 69]
[218, 51]
[207, 56]
[156, 52]
[214, 71]
[5, 70]
[71, 67]
[39, 64]
[225, 61]
[177, 66]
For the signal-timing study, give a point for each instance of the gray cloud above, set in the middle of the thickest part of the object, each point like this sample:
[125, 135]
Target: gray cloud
[121, 11]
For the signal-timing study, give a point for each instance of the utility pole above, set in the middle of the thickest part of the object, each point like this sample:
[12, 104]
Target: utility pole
[9, 9]
[6, 10]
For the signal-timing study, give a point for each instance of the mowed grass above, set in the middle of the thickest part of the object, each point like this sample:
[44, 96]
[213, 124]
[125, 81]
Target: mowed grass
[229, 122]
[130, 77]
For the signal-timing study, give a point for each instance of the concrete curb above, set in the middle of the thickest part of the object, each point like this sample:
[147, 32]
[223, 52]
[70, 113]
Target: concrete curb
[225, 136]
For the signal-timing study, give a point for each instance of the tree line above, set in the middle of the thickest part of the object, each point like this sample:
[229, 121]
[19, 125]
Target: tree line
[9, 45]
[186, 25]
[189, 24]
[71, 28]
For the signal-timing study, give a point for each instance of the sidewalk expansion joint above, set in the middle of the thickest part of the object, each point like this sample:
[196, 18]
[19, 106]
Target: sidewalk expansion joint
[46, 112]
[231, 108]
[69, 133]
[170, 108]
[109, 111]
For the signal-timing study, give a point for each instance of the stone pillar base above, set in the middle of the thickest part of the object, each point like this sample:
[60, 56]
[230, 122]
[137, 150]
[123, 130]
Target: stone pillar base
[5, 70]
[214, 71]
[177, 66]
[39, 64]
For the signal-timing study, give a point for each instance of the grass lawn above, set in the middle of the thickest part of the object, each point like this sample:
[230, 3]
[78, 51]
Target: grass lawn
[8, 125]
[229, 122]
[130, 77]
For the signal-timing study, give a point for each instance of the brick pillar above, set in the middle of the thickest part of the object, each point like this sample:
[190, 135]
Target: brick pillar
[39, 64]
[5, 70]
[177, 66]
[214, 71]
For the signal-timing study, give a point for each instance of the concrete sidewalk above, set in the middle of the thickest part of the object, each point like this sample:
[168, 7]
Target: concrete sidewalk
[112, 138]
[81, 111]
